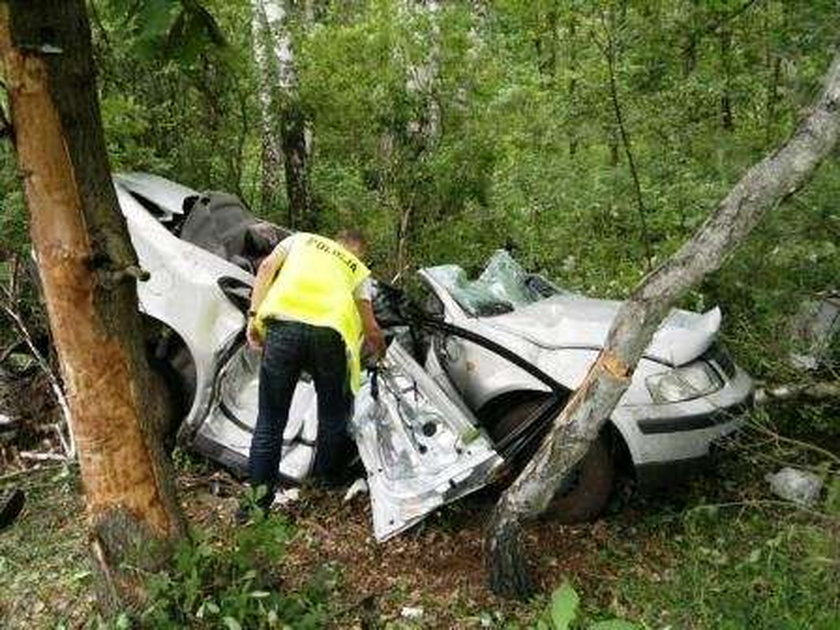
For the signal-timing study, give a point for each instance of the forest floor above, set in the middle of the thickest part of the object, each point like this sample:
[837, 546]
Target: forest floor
[718, 553]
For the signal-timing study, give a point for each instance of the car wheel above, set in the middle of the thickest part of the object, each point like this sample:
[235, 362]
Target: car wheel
[586, 494]
[170, 359]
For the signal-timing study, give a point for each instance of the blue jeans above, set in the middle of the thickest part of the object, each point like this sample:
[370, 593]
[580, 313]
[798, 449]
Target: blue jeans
[290, 348]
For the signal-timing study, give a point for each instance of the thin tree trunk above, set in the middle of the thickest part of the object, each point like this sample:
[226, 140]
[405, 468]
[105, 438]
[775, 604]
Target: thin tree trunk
[574, 67]
[286, 138]
[763, 187]
[628, 150]
[423, 82]
[271, 157]
[727, 119]
[424, 131]
[88, 270]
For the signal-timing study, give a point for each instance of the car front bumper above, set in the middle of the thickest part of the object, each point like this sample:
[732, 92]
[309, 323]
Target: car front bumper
[667, 440]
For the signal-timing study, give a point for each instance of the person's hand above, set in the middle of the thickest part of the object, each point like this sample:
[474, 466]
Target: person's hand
[255, 340]
[375, 342]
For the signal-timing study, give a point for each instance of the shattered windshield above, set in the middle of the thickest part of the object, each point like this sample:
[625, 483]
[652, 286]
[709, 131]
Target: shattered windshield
[503, 286]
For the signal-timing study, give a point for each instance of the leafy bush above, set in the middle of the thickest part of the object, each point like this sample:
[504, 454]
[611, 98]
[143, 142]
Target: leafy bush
[234, 584]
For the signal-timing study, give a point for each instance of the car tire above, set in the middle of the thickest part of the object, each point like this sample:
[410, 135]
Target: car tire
[587, 493]
[171, 360]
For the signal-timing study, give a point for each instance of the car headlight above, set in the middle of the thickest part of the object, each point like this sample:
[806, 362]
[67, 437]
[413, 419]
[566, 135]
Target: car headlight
[683, 383]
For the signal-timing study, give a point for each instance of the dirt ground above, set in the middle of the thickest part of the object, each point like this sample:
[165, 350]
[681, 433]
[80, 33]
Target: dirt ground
[676, 561]
[438, 566]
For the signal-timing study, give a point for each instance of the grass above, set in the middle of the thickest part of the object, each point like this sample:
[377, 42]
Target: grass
[733, 567]
[45, 574]
[718, 554]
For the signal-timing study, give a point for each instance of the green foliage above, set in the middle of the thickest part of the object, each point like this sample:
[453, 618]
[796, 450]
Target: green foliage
[562, 611]
[234, 584]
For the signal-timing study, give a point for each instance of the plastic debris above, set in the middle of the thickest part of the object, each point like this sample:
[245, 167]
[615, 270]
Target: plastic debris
[411, 612]
[795, 485]
[814, 328]
[8, 426]
[356, 488]
[286, 497]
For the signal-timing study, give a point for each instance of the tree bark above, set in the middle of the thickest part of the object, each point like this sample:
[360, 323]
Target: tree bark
[87, 269]
[764, 186]
[286, 137]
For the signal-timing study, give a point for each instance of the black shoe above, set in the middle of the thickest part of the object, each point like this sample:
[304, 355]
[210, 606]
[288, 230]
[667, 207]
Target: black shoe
[11, 506]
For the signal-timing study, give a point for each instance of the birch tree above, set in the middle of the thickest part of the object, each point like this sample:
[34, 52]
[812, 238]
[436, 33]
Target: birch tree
[764, 186]
[88, 271]
[286, 136]
[424, 129]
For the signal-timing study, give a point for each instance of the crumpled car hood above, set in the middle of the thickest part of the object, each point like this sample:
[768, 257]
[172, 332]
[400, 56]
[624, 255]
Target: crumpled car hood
[573, 321]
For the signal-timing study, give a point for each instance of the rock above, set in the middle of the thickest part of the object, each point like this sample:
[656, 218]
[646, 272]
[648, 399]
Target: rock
[795, 485]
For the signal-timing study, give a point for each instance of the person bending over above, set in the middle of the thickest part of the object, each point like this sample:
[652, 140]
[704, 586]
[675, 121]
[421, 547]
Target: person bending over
[310, 311]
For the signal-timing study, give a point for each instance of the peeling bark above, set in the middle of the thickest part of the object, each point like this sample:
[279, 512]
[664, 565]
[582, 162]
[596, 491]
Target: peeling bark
[82, 248]
[763, 187]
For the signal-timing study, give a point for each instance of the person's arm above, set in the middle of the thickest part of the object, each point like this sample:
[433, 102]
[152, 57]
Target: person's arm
[266, 273]
[373, 333]
[268, 268]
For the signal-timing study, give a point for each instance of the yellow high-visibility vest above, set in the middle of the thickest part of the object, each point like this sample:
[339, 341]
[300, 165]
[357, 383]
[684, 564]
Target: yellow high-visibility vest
[315, 286]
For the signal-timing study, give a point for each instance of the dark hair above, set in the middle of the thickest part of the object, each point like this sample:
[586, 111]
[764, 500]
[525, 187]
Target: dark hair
[352, 235]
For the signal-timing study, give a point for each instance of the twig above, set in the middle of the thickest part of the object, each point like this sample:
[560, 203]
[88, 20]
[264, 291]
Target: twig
[795, 442]
[68, 444]
[767, 503]
[5, 125]
[42, 457]
[824, 390]
[23, 471]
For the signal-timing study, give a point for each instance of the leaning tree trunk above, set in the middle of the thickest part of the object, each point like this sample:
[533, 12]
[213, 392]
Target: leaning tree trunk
[285, 130]
[88, 270]
[764, 186]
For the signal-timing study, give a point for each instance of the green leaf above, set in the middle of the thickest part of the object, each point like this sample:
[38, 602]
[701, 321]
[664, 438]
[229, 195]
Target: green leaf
[231, 623]
[564, 605]
[614, 624]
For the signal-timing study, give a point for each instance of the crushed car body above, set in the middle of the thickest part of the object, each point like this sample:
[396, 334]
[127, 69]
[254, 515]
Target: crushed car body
[472, 378]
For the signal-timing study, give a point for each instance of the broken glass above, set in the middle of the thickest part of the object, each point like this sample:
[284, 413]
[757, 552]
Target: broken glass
[503, 286]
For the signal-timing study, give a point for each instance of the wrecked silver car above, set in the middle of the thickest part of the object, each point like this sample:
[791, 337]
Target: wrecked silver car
[474, 373]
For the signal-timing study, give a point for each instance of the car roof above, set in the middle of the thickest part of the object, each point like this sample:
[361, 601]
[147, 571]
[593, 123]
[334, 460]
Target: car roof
[162, 192]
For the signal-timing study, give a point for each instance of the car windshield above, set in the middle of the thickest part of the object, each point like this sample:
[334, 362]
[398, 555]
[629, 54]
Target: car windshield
[502, 287]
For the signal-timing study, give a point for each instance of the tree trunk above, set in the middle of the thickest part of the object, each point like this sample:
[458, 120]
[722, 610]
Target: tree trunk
[764, 186]
[628, 149]
[286, 136]
[425, 129]
[87, 269]
[574, 68]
